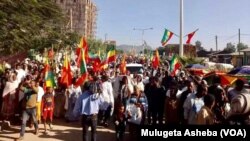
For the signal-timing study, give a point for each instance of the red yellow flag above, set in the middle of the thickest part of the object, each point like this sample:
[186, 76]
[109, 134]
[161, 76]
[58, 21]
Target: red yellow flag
[123, 69]
[83, 45]
[156, 60]
[66, 75]
[83, 68]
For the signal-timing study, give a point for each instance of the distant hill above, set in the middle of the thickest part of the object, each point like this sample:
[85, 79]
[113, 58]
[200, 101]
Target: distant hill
[128, 48]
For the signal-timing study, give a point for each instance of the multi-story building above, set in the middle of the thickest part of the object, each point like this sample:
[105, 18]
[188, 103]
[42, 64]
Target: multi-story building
[81, 16]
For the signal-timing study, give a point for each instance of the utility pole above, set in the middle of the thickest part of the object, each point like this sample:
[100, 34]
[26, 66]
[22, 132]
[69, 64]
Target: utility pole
[143, 46]
[106, 37]
[71, 20]
[239, 48]
[216, 42]
[181, 28]
[239, 35]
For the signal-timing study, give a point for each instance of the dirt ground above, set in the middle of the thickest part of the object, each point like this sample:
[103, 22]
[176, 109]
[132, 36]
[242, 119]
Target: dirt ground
[62, 131]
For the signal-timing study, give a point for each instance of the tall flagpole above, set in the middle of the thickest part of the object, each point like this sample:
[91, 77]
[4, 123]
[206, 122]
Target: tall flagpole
[181, 28]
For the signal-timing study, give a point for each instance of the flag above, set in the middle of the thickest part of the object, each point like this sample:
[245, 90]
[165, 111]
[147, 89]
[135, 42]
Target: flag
[151, 56]
[111, 54]
[174, 65]
[95, 61]
[190, 36]
[49, 75]
[83, 45]
[94, 57]
[104, 65]
[66, 76]
[122, 67]
[156, 60]
[96, 65]
[51, 53]
[166, 37]
[83, 68]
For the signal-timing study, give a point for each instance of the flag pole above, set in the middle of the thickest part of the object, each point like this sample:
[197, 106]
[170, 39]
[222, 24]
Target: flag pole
[181, 29]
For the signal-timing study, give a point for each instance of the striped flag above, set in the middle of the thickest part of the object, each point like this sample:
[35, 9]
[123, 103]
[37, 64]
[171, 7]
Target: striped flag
[66, 77]
[83, 45]
[123, 65]
[111, 54]
[166, 37]
[156, 60]
[83, 68]
[49, 75]
[174, 65]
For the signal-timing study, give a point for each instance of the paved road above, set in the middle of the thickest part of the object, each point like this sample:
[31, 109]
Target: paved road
[62, 131]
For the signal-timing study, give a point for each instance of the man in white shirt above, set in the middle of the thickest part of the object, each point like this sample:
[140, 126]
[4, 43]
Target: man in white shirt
[193, 104]
[40, 94]
[238, 89]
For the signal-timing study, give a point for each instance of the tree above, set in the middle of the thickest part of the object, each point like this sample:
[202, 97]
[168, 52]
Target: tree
[161, 50]
[241, 46]
[230, 48]
[198, 45]
[28, 23]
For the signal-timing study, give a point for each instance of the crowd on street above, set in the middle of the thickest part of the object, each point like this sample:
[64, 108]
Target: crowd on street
[111, 98]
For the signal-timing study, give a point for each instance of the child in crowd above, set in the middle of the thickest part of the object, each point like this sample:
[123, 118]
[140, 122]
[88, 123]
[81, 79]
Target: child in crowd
[120, 122]
[48, 107]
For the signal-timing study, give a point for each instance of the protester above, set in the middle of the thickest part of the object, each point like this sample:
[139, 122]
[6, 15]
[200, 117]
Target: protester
[193, 104]
[47, 107]
[158, 100]
[238, 89]
[120, 120]
[205, 116]
[107, 108]
[171, 104]
[40, 94]
[87, 105]
[29, 103]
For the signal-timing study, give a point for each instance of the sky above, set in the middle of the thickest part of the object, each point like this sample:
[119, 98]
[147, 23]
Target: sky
[118, 18]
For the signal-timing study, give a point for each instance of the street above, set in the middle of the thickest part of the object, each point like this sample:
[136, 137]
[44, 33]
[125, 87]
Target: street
[62, 131]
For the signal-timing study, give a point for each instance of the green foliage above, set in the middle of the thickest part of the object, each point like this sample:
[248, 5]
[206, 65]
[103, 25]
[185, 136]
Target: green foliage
[198, 45]
[190, 60]
[27, 24]
[96, 45]
[241, 46]
[230, 48]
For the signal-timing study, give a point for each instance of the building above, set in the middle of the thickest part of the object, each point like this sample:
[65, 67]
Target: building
[188, 50]
[246, 58]
[235, 58]
[81, 15]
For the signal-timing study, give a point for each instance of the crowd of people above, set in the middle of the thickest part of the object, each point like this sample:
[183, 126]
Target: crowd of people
[124, 100]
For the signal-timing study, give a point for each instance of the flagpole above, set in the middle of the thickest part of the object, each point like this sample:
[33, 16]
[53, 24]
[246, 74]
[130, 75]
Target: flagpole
[181, 29]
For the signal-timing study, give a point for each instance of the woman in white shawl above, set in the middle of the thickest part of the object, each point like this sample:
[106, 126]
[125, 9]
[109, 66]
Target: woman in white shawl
[9, 97]
[107, 107]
